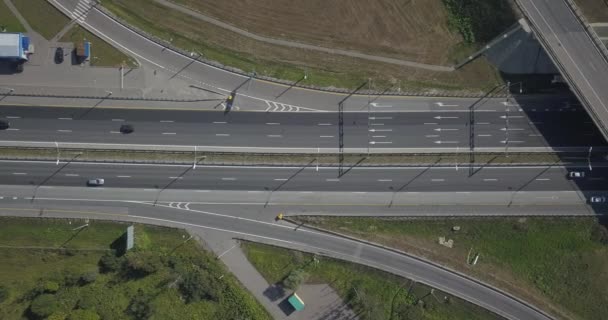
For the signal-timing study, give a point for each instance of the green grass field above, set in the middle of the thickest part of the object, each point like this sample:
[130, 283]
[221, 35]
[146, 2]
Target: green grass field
[557, 263]
[42, 16]
[163, 278]
[291, 64]
[103, 54]
[375, 294]
[8, 20]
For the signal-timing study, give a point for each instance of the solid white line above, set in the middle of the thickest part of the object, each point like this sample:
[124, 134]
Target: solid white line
[272, 123]
[326, 136]
[385, 180]
[71, 175]
[543, 179]
[123, 176]
[19, 173]
[490, 179]
[169, 133]
[13, 117]
[118, 120]
[482, 123]
[228, 179]
[324, 124]
[167, 121]
[64, 130]
[274, 136]
[437, 180]
[484, 135]
[431, 123]
[432, 135]
[332, 180]
[175, 177]
[378, 136]
[114, 131]
[282, 179]
[377, 124]
[222, 134]
[220, 122]
[534, 135]
[64, 118]
[12, 129]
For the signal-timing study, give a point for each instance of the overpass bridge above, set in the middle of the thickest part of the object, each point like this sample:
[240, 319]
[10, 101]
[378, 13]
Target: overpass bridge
[578, 54]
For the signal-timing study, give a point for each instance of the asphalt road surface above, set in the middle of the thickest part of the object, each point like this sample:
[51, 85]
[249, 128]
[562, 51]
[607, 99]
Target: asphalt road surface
[558, 127]
[311, 178]
[575, 51]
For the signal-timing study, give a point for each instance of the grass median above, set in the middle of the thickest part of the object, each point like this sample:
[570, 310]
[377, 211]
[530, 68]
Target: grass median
[8, 21]
[50, 270]
[42, 16]
[371, 293]
[103, 54]
[457, 160]
[556, 263]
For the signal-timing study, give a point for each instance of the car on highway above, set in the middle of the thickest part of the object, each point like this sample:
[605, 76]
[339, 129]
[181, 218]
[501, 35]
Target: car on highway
[126, 129]
[576, 174]
[98, 182]
[59, 55]
[4, 125]
[598, 199]
[230, 100]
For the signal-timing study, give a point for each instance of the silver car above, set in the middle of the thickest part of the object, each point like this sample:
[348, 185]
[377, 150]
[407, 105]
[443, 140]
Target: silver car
[598, 199]
[95, 182]
[576, 174]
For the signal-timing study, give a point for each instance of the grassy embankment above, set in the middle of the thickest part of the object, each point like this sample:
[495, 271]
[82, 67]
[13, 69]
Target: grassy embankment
[8, 20]
[373, 294]
[50, 270]
[323, 69]
[103, 54]
[558, 264]
[42, 17]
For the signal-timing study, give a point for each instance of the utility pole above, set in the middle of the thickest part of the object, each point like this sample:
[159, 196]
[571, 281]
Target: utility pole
[589, 158]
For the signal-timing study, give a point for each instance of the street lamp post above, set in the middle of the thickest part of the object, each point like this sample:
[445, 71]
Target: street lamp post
[57, 146]
[589, 158]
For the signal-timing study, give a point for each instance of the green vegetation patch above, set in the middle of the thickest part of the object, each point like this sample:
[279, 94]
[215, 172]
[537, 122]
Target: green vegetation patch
[166, 276]
[103, 54]
[558, 263]
[371, 293]
[42, 16]
[479, 21]
[8, 21]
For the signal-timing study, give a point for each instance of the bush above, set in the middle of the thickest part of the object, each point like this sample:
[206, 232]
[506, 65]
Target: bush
[50, 287]
[295, 278]
[81, 314]
[4, 293]
[142, 263]
[139, 307]
[478, 21]
[200, 285]
[44, 305]
[88, 277]
[109, 262]
[599, 233]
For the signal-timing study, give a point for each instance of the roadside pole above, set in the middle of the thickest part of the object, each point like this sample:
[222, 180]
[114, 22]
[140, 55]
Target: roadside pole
[194, 163]
[589, 158]
[122, 75]
[57, 146]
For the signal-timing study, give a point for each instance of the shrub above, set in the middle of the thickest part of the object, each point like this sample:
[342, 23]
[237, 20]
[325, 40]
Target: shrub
[109, 262]
[44, 305]
[599, 233]
[139, 307]
[50, 287]
[142, 263]
[4, 293]
[295, 278]
[200, 285]
[88, 277]
[81, 314]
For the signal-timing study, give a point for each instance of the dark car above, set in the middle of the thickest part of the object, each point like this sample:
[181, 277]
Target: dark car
[59, 55]
[4, 125]
[230, 100]
[126, 129]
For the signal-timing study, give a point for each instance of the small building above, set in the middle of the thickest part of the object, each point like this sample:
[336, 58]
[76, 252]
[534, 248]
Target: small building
[296, 302]
[83, 50]
[14, 46]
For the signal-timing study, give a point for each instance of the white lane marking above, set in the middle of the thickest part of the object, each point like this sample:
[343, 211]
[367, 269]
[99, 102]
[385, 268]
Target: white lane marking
[71, 175]
[446, 142]
[12, 129]
[176, 177]
[430, 123]
[380, 142]
[441, 104]
[439, 129]
[490, 179]
[437, 180]
[484, 135]
[432, 135]
[543, 179]
[222, 134]
[114, 131]
[326, 136]
[281, 179]
[511, 117]
[332, 180]
[64, 118]
[378, 136]
[377, 124]
[220, 122]
[274, 136]
[511, 129]
[19, 173]
[123, 176]
[169, 133]
[118, 120]
[13, 117]
[272, 123]
[482, 123]
[380, 130]
[440, 117]
[380, 118]
[511, 141]
[167, 121]
[228, 179]
[375, 105]
[324, 124]
[64, 130]
[385, 180]
[534, 135]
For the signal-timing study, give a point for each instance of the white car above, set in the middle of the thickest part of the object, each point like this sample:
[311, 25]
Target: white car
[576, 174]
[598, 199]
[95, 182]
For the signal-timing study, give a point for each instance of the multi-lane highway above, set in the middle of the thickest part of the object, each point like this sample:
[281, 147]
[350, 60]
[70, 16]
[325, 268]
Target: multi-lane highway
[557, 127]
[311, 178]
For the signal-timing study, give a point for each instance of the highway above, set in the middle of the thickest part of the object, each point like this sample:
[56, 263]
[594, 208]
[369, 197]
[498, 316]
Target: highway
[564, 37]
[558, 127]
[311, 178]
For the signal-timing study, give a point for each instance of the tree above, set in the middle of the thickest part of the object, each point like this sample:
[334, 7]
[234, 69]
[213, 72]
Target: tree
[88, 277]
[143, 263]
[200, 285]
[139, 307]
[50, 287]
[109, 262]
[295, 278]
[82, 314]
[44, 305]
